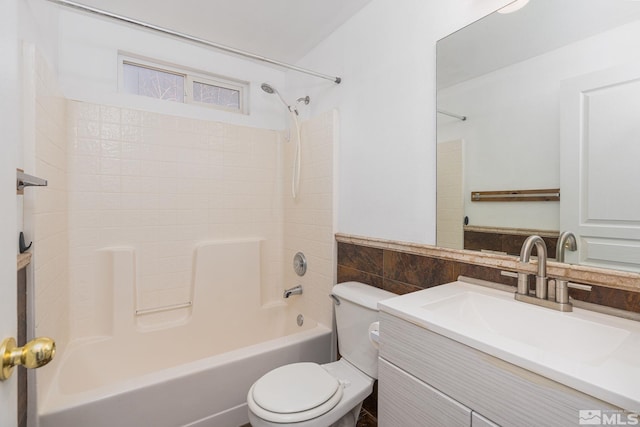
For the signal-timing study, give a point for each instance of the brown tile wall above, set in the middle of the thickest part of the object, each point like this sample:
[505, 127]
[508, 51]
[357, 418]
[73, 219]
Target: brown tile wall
[401, 273]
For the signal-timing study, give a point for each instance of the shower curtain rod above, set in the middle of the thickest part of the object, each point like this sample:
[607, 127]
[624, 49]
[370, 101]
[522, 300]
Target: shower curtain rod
[177, 34]
[457, 116]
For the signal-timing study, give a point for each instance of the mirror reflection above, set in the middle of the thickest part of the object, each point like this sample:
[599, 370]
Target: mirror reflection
[544, 98]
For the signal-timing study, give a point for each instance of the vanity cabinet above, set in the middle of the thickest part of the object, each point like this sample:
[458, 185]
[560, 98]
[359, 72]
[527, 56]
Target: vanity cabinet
[426, 379]
[404, 400]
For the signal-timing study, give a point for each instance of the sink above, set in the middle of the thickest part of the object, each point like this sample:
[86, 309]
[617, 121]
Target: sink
[548, 331]
[591, 352]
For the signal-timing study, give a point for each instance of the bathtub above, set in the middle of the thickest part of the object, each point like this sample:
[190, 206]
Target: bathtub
[190, 366]
[108, 383]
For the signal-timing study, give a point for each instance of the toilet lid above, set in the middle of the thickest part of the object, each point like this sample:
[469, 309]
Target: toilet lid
[298, 391]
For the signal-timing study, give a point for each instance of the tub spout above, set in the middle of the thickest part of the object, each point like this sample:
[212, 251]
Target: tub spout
[297, 290]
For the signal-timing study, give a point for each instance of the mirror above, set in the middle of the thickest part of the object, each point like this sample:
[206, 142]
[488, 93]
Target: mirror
[499, 101]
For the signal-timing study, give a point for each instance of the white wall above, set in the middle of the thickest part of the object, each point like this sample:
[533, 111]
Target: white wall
[88, 60]
[41, 28]
[386, 57]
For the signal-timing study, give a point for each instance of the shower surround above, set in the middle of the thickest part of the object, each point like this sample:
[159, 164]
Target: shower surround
[160, 187]
[162, 184]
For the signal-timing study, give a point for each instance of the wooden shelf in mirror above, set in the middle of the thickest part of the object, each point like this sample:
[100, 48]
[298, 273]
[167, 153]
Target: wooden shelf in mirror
[540, 195]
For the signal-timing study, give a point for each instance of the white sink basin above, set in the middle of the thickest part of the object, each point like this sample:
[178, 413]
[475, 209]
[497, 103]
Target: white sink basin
[546, 330]
[591, 352]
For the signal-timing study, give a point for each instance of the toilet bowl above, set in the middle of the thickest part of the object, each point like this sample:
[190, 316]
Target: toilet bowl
[312, 395]
[322, 405]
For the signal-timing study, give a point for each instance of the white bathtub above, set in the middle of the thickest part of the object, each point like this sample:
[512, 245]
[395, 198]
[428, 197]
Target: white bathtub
[190, 366]
[163, 381]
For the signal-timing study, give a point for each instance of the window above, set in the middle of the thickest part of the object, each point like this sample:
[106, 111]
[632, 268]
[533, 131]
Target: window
[140, 80]
[170, 83]
[215, 94]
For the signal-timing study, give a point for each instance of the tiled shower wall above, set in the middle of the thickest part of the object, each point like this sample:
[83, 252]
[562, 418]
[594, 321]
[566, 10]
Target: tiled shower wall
[45, 208]
[162, 184]
[308, 220]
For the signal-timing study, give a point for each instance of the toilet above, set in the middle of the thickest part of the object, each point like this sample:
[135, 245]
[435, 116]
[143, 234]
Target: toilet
[312, 395]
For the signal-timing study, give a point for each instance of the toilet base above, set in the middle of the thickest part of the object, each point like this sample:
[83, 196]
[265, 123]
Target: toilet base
[350, 419]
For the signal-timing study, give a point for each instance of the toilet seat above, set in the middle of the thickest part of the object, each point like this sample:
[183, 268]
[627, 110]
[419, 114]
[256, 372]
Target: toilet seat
[294, 393]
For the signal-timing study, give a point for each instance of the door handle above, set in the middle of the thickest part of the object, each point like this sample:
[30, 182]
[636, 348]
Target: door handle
[34, 354]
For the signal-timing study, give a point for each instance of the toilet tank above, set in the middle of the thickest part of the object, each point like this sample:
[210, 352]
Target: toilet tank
[358, 308]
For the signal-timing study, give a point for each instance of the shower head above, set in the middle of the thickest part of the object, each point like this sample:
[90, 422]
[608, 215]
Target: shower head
[268, 88]
[271, 90]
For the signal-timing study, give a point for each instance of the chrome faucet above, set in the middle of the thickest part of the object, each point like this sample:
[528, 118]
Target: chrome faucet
[540, 298]
[296, 290]
[567, 240]
[541, 276]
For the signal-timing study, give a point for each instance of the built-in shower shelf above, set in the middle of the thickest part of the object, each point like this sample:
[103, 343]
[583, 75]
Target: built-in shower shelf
[143, 311]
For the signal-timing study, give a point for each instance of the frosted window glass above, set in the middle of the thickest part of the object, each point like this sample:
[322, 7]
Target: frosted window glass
[153, 83]
[216, 95]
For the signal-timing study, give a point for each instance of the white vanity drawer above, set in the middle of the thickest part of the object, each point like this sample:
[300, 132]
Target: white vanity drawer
[403, 400]
[505, 393]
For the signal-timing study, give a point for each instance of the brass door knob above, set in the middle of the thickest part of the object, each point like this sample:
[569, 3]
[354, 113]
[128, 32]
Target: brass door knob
[36, 353]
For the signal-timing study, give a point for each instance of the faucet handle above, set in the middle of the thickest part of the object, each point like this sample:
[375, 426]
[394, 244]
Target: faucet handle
[523, 283]
[552, 289]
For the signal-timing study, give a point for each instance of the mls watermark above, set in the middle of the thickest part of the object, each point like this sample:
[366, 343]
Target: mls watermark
[597, 417]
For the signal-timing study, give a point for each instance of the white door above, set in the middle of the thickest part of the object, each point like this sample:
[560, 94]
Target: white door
[8, 388]
[600, 167]
[8, 245]
[9, 143]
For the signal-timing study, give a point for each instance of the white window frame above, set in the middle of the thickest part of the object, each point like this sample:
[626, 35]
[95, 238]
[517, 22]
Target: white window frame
[190, 77]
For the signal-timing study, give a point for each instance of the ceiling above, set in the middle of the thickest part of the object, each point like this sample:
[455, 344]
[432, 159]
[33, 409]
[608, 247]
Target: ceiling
[499, 40]
[284, 30]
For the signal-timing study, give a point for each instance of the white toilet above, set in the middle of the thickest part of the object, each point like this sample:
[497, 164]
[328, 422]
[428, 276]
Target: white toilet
[312, 395]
